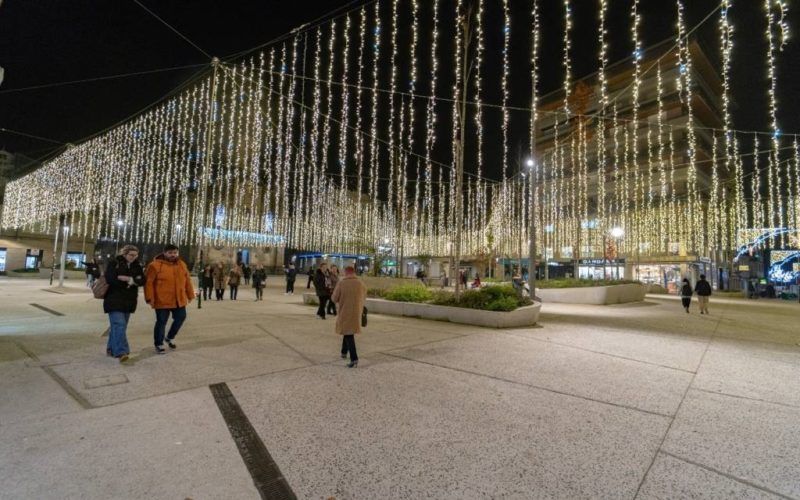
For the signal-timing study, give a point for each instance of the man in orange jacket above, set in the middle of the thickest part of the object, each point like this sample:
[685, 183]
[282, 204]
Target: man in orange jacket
[168, 290]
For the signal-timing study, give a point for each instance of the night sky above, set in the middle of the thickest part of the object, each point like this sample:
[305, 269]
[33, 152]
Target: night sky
[43, 42]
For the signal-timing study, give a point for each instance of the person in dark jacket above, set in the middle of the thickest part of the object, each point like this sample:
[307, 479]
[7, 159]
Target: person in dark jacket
[311, 275]
[92, 272]
[322, 284]
[124, 276]
[703, 290]
[291, 276]
[259, 281]
[333, 278]
[246, 273]
[686, 294]
[207, 281]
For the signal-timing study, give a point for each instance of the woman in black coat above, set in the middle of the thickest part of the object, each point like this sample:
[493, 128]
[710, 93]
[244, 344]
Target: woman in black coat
[124, 276]
[686, 294]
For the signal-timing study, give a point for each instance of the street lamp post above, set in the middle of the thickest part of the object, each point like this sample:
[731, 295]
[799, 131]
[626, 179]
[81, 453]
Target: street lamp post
[63, 256]
[617, 233]
[55, 250]
[532, 240]
[120, 223]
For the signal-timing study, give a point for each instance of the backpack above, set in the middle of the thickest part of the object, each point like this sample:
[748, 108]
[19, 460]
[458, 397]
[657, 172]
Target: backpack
[100, 287]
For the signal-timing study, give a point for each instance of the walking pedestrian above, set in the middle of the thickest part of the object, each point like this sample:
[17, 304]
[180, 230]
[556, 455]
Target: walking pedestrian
[333, 277]
[350, 294]
[322, 284]
[168, 288]
[703, 290]
[311, 275]
[234, 278]
[207, 281]
[444, 279]
[259, 281]
[291, 275]
[219, 280]
[124, 276]
[246, 273]
[686, 295]
[92, 272]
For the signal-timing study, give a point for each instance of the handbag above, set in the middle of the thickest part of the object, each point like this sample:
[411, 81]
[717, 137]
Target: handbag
[364, 317]
[100, 287]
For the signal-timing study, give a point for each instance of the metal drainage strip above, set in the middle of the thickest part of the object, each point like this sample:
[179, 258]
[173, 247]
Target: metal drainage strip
[267, 477]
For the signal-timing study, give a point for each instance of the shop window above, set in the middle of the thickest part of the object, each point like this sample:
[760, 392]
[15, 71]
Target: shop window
[33, 258]
[3, 253]
[75, 260]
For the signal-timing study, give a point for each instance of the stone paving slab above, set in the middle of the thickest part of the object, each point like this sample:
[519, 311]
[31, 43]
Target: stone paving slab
[169, 447]
[398, 429]
[29, 393]
[673, 478]
[563, 369]
[766, 374]
[678, 351]
[753, 441]
[192, 365]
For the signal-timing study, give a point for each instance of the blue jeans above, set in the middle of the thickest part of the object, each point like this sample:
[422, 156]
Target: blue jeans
[162, 316]
[117, 337]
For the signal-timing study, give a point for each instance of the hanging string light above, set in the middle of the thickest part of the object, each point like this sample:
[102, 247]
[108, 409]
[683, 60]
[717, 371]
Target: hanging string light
[430, 123]
[601, 126]
[775, 210]
[684, 83]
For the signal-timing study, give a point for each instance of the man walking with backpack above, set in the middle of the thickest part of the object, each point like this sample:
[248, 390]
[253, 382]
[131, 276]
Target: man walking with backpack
[168, 289]
[703, 290]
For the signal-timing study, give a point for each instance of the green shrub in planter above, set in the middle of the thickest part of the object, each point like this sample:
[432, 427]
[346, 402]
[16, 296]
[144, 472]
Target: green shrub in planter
[409, 293]
[503, 304]
[22, 270]
[376, 293]
[444, 298]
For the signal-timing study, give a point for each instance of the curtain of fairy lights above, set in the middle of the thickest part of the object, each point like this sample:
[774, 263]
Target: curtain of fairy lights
[332, 141]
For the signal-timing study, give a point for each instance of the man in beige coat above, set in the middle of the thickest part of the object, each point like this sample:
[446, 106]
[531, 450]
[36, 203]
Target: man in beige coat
[350, 295]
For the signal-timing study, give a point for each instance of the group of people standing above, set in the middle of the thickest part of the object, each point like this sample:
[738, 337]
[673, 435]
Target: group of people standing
[216, 277]
[325, 281]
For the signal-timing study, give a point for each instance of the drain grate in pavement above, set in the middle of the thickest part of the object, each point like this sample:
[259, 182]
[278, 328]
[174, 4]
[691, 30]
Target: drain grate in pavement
[269, 481]
[45, 309]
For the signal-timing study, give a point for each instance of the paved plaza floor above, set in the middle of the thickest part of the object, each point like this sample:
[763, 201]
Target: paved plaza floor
[627, 401]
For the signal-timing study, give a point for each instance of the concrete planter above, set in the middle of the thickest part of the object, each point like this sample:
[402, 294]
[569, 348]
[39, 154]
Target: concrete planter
[524, 316]
[596, 295]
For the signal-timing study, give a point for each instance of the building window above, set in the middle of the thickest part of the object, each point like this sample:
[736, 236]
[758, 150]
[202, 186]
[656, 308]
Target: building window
[3, 253]
[75, 259]
[33, 258]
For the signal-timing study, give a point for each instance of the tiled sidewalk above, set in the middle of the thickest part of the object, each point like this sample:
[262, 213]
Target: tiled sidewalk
[623, 401]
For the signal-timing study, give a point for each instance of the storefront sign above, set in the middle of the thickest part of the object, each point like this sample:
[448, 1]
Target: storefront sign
[601, 262]
[744, 267]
